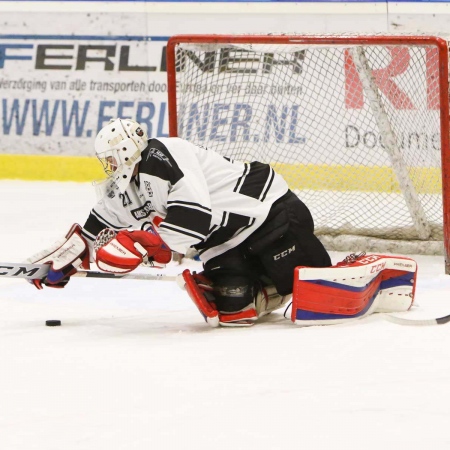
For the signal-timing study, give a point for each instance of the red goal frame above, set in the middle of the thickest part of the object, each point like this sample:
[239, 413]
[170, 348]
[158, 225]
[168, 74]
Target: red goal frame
[441, 45]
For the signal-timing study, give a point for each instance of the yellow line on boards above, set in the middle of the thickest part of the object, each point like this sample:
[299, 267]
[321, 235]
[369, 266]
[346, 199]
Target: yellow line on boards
[320, 177]
[50, 168]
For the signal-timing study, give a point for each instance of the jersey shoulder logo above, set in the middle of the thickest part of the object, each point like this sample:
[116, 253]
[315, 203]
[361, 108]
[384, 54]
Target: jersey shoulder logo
[158, 154]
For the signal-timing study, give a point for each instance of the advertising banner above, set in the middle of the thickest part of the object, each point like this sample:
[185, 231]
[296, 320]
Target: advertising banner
[68, 67]
[57, 91]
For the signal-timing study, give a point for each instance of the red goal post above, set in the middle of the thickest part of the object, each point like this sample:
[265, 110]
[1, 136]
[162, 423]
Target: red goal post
[358, 125]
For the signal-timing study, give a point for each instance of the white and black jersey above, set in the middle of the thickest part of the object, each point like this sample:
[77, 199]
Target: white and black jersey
[206, 201]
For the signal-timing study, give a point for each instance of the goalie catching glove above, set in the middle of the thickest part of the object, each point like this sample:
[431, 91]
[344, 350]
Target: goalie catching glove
[64, 257]
[124, 251]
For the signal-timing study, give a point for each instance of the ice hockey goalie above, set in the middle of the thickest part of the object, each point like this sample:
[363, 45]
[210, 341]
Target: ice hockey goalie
[357, 287]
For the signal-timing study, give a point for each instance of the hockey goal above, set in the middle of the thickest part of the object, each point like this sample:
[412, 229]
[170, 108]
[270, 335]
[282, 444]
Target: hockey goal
[357, 125]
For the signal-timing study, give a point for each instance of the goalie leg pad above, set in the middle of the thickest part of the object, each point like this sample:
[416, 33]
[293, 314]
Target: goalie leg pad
[373, 283]
[200, 290]
[243, 318]
[397, 291]
[197, 287]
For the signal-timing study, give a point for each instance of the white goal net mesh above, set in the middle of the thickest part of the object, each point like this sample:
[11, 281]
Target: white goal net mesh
[355, 131]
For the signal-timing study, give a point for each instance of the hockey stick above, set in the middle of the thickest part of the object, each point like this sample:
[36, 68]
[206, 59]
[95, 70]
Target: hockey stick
[417, 322]
[128, 276]
[39, 271]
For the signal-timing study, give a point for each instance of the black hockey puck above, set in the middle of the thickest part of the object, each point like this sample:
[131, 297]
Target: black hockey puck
[53, 323]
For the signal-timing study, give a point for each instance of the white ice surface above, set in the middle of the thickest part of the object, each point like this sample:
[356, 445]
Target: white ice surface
[134, 366]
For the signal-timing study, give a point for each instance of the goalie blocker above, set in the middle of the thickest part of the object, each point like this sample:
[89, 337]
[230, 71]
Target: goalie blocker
[354, 288]
[64, 257]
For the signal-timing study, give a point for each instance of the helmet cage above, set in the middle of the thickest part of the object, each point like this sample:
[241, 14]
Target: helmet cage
[108, 160]
[118, 147]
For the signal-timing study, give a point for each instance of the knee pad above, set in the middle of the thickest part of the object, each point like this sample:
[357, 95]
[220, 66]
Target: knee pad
[233, 293]
[200, 289]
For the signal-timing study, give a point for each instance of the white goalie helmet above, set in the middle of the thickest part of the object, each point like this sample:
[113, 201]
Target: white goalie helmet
[118, 146]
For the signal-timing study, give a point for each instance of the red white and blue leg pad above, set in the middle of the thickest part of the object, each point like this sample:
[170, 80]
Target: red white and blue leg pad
[352, 290]
[200, 290]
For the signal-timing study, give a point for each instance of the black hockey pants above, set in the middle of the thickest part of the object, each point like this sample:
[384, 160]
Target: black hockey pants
[285, 240]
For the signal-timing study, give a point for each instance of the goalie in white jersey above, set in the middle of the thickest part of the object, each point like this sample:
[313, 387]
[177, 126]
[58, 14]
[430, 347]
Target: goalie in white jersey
[250, 230]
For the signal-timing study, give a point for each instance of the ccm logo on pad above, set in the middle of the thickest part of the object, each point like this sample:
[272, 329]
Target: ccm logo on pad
[284, 253]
